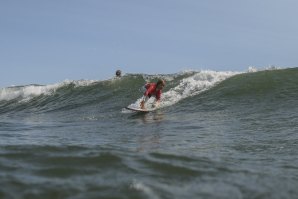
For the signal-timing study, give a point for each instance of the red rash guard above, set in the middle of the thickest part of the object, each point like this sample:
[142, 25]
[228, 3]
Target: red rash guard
[151, 90]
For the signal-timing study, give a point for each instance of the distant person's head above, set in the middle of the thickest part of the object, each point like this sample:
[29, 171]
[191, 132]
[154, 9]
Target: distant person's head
[118, 73]
[160, 84]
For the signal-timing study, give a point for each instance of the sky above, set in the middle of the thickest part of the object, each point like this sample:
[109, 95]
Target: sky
[45, 42]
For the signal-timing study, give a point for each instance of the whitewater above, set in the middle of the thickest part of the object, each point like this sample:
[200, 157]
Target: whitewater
[217, 134]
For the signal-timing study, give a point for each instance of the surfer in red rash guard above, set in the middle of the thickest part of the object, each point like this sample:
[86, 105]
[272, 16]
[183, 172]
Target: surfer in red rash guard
[153, 89]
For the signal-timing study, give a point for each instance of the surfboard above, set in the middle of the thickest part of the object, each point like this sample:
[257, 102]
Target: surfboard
[139, 109]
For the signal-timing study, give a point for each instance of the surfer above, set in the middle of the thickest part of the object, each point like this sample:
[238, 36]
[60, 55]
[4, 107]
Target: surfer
[118, 73]
[153, 89]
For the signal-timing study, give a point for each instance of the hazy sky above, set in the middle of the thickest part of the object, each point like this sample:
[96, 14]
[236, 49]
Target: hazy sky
[48, 41]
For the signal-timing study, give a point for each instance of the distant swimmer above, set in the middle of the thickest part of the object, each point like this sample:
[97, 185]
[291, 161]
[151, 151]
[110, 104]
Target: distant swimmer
[153, 89]
[118, 73]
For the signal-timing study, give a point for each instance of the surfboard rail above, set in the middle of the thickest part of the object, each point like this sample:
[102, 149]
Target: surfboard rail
[139, 109]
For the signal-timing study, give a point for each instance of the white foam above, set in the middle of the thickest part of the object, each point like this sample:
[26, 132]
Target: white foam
[166, 77]
[194, 85]
[143, 188]
[25, 93]
[253, 69]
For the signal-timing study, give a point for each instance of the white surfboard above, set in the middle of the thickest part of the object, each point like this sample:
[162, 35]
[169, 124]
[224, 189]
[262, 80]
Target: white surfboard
[139, 109]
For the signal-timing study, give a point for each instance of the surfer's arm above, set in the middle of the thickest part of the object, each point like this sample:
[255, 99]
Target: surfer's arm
[146, 96]
[144, 99]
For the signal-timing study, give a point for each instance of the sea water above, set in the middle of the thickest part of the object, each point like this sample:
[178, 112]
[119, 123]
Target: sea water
[216, 135]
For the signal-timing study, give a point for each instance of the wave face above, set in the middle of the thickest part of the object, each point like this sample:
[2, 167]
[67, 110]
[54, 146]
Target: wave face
[216, 135]
[110, 93]
[276, 88]
[216, 88]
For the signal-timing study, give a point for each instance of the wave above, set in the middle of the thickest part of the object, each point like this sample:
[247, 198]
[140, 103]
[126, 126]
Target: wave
[114, 94]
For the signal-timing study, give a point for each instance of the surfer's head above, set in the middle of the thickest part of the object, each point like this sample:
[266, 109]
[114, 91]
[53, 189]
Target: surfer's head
[118, 73]
[160, 84]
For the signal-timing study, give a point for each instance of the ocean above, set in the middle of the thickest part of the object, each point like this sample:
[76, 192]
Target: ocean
[230, 135]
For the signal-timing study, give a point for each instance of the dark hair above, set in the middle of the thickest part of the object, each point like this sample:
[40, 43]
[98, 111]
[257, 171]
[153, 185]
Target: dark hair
[118, 73]
[161, 81]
